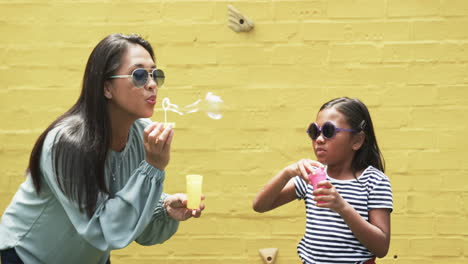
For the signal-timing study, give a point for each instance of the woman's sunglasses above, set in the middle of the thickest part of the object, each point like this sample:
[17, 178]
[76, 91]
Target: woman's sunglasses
[140, 77]
[328, 130]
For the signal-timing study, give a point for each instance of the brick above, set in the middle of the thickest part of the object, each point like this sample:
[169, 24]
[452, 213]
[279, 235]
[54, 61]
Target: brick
[450, 140]
[452, 95]
[313, 54]
[218, 76]
[400, 202]
[452, 29]
[410, 139]
[399, 249]
[427, 52]
[243, 55]
[419, 178]
[413, 8]
[45, 55]
[453, 8]
[355, 53]
[178, 11]
[175, 33]
[313, 31]
[276, 32]
[356, 8]
[465, 247]
[397, 52]
[391, 117]
[219, 33]
[257, 11]
[412, 225]
[418, 204]
[451, 179]
[453, 225]
[299, 10]
[419, 160]
[438, 246]
[194, 54]
[439, 117]
[423, 52]
[425, 73]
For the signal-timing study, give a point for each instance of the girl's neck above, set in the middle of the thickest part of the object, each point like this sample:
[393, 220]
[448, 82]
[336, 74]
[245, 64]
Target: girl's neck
[341, 171]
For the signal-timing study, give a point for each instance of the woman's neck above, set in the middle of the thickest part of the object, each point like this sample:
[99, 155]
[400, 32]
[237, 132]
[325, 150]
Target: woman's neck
[120, 125]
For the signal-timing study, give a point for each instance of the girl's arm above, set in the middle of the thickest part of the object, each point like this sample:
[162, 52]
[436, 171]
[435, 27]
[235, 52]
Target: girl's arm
[374, 235]
[280, 189]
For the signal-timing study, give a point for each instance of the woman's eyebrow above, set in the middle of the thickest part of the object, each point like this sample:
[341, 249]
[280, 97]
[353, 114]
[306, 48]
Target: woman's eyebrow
[139, 65]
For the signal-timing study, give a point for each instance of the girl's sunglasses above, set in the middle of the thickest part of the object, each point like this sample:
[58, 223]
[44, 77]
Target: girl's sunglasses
[140, 77]
[328, 130]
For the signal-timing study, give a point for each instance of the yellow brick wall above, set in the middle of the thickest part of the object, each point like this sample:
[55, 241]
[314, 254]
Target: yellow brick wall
[406, 59]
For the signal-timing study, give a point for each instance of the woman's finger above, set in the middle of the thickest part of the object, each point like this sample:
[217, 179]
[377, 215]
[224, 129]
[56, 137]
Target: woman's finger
[148, 130]
[169, 140]
[153, 135]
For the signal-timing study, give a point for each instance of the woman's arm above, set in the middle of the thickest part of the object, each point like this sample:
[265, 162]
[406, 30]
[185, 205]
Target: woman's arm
[116, 221]
[161, 227]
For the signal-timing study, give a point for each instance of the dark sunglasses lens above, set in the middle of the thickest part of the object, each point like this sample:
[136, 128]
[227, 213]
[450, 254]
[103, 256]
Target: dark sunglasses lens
[328, 130]
[313, 131]
[140, 77]
[158, 76]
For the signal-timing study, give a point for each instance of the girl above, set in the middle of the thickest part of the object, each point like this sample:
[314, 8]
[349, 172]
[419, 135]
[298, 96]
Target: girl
[348, 215]
[95, 176]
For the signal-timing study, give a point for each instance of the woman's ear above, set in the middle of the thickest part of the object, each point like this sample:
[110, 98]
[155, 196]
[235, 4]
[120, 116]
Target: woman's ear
[108, 90]
[358, 141]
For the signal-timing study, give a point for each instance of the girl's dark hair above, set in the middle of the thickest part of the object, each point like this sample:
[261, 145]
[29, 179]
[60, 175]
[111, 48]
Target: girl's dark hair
[80, 150]
[358, 117]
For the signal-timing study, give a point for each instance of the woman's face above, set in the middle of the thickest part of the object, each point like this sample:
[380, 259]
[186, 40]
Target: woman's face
[125, 99]
[338, 149]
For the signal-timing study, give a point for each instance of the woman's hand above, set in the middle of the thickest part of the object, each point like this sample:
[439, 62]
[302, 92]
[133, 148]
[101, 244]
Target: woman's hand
[157, 141]
[176, 207]
[302, 168]
[329, 197]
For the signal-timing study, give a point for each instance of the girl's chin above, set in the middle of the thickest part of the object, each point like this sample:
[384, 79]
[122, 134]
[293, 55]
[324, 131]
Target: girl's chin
[322, 160]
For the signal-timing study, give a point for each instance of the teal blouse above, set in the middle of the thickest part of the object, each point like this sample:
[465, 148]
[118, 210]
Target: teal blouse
[49, 228]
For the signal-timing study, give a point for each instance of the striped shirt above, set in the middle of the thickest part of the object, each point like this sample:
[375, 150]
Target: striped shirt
[327, 237]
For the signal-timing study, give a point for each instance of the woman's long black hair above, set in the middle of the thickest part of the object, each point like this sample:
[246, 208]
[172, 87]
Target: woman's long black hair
[358, 117]
[80, 151]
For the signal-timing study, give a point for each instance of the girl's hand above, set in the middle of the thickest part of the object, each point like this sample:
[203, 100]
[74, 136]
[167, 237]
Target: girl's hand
[302, 168]
[157, 141]
[176, 207]
[329, 197]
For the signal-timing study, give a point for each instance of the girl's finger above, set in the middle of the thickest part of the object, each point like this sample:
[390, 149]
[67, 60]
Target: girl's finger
[302, 169]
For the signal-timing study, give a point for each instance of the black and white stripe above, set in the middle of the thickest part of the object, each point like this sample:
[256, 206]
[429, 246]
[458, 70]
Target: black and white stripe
[327, 238]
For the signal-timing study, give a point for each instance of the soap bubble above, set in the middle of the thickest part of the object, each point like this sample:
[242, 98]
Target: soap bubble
[212, 105]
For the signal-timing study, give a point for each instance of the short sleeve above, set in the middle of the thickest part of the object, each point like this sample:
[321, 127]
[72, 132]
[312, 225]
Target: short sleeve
[380, 195]
[301, 187]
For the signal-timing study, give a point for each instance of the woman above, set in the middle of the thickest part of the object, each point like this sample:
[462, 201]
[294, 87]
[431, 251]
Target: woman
[95, 176]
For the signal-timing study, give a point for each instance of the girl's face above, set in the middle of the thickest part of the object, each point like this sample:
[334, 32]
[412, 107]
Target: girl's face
[339, 149]
[125, 98]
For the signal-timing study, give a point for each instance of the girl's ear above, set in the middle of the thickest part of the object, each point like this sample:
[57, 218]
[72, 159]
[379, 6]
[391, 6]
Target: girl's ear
[358, 141]
[108, 90]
